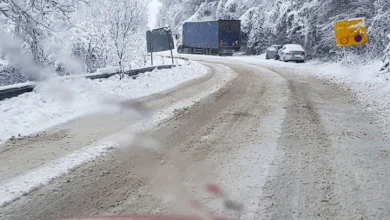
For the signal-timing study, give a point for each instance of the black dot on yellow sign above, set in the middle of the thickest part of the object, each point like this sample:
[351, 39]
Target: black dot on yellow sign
[358, 38]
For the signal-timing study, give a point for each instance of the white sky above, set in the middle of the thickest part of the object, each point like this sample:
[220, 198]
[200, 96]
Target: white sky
[154, 7]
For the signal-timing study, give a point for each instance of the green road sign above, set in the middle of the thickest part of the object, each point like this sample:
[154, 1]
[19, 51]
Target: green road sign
[159, 40]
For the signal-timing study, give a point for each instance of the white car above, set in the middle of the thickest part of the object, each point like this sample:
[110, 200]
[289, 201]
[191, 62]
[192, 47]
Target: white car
[292, 52]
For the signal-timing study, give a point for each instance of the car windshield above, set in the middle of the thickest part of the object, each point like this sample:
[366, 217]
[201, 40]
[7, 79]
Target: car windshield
[239, 109]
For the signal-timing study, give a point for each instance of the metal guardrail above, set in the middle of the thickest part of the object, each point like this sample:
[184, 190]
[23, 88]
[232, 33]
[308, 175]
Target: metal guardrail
[14, 92]
[176, 57]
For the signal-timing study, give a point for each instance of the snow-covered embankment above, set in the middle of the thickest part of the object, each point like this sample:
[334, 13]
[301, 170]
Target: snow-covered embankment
[57, 101]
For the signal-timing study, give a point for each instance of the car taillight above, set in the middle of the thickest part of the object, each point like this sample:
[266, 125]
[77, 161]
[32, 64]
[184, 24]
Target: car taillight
[303, 53]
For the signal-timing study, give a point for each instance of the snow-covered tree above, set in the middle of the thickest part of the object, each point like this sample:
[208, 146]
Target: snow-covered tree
[88, 40]
[71, 36]
[125, 19]
[381, 28]
[108, 33]
[35, 20]
[307, 22]
[175, 12]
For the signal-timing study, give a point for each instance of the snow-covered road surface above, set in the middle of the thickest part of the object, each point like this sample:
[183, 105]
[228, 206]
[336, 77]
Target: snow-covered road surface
[50, 154]
[284, 144]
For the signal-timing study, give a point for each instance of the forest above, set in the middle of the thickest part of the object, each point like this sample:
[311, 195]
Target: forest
[42, 38]
[306, 22]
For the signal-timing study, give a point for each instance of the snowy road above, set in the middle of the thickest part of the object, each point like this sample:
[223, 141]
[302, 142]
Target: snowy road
[286, 145]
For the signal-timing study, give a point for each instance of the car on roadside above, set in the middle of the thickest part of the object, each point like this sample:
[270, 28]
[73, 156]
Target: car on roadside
[292, 52]
[272, 52]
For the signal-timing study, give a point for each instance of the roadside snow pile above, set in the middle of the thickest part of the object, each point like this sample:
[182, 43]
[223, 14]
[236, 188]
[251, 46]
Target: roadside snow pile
[57, 101]
[371, 88]
[108, 70]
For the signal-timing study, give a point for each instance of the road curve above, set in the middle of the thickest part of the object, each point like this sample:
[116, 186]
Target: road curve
[286, 146]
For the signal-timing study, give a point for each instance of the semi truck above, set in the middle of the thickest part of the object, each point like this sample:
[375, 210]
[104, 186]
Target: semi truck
[220, 37]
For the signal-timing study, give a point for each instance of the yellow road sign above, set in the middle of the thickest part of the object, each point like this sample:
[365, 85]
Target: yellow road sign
[351, 32]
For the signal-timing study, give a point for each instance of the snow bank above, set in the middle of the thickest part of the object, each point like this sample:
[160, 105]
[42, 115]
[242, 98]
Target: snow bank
[364, 82]
[370, 88]
[58, 100]
[108, 70]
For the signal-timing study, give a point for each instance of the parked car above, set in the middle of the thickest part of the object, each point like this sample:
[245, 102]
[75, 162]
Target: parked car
[272, 52]
[292, 52]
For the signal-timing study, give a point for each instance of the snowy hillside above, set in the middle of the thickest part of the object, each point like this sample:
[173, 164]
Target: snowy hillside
[308, 22]
[40, 39]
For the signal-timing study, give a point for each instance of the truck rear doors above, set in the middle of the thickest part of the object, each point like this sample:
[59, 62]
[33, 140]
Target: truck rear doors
[229, 34]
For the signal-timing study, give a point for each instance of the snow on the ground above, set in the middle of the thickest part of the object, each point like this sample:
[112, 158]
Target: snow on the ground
[108, 70]
[371, 89]
[23, 184]
[161, 58]
[363, 81]
[58, 100]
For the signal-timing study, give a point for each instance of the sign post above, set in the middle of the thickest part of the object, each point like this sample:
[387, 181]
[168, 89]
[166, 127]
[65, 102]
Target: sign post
[172, 57]
[169, 33]
[150, 44]
[151, 57]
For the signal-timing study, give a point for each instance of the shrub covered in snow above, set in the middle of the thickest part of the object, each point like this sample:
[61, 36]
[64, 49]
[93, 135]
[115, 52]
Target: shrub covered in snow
[10, 74]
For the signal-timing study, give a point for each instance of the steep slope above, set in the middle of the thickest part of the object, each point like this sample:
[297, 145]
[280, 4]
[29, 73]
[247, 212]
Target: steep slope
[307, 22]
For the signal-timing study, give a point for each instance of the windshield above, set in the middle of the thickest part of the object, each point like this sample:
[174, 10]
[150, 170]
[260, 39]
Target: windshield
[257, 110]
